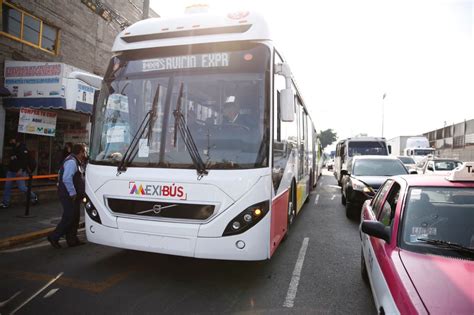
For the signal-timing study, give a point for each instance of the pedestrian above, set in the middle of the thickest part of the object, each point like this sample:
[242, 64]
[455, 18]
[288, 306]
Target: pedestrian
[66, 151]
[71, 186]
[17, 167]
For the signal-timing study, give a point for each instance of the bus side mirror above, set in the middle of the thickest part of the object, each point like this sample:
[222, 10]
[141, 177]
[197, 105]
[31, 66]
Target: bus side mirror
[287, 105]
[287, 98]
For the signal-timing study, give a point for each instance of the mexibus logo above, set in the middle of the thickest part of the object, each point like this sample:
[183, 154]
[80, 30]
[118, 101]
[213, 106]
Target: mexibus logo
[171, 191]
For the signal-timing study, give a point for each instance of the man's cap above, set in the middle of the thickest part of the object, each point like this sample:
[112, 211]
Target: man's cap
[230, 100]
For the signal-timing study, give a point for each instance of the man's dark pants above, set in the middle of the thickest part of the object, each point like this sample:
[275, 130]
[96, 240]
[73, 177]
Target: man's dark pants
[70, 220]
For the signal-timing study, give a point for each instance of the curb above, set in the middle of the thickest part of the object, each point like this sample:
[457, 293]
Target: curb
[10, 242]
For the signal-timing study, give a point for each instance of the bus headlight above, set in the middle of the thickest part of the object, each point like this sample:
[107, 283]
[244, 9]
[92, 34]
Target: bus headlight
[91, 210]
[246, 219]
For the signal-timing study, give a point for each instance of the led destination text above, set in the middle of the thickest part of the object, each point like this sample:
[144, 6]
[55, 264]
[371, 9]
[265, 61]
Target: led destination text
[215, 60]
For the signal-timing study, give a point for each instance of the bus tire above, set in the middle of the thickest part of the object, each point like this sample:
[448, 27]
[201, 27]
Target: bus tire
[291, 211]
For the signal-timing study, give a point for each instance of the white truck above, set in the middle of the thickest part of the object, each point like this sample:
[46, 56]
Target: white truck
[415, 146]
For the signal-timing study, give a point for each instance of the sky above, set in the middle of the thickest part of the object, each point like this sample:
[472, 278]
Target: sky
[345, 55]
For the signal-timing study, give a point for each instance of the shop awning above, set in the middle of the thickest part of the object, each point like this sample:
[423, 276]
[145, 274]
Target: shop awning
[35, 102]
[45, 103]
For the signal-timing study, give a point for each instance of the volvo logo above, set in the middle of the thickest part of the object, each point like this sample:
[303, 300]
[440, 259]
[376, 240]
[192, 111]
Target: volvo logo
[157, 209]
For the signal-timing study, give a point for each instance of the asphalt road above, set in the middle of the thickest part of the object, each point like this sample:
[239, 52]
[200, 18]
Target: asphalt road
[315, 271]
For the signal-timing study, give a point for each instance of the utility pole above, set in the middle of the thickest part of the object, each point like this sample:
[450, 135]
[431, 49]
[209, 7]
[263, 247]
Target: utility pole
[146, 8]
[383, 108]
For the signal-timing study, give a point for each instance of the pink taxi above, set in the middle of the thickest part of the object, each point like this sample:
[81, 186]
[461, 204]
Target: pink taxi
[417, 239]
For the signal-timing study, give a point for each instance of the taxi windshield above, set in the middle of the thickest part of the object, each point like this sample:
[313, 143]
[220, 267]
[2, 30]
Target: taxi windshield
[442, 214]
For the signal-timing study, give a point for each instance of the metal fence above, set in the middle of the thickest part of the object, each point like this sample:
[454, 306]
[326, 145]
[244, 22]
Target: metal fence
[455, 141]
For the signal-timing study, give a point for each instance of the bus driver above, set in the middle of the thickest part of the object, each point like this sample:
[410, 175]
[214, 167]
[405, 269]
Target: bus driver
[231, 114]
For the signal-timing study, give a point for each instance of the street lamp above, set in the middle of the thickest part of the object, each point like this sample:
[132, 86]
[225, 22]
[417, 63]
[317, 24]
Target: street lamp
[383, 107]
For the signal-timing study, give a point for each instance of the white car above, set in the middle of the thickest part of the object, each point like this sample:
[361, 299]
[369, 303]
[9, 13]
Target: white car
[440, 166]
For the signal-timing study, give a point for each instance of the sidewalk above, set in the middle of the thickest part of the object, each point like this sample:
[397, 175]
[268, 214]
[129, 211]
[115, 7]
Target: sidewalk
[15, 229]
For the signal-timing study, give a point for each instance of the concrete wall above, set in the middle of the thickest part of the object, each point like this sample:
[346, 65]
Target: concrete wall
[85, 38]
[455, 141]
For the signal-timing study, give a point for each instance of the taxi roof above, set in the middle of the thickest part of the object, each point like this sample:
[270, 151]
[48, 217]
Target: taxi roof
[462, 176]
[434, 181]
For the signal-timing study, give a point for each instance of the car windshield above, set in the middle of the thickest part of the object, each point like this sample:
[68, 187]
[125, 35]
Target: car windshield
[218, 89]
[438, 213]
[446, 165]
[367, 148]
[406, 160]
[378, 167]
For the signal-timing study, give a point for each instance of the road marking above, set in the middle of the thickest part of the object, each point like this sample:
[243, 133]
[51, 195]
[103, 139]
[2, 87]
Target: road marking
[316, 199]
[334, 186]
[295, 279]
[2, 304]
[333, 196]
[94, 287]
[50, 293]
[37, 292]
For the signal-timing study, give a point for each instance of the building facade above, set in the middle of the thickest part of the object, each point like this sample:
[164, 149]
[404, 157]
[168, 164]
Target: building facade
[41, 43]
[454, 141]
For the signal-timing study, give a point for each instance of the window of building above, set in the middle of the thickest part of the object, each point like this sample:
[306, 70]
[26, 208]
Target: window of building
[28, 29]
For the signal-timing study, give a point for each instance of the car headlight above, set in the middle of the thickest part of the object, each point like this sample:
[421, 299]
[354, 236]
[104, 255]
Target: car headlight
[360, 186]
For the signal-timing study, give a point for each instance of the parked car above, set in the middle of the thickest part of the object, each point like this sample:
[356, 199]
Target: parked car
[437, 166]
[408, 161]
[417, 244]
[363, 177]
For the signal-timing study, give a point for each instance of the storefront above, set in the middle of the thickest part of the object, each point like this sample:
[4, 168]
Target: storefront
[47, 109]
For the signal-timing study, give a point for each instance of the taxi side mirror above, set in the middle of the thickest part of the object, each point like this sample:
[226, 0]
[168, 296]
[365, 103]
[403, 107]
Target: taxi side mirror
[413, 172]
[344, 172]
[430, 168]
[376, 229]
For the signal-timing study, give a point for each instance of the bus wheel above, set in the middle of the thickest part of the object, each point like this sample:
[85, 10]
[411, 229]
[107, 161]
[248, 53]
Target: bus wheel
[291, 212]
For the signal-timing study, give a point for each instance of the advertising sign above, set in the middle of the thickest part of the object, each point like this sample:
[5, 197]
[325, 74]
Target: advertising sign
[34, 79]
[37, 122]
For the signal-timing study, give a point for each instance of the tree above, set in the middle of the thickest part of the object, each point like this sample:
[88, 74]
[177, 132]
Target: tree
[327, 137]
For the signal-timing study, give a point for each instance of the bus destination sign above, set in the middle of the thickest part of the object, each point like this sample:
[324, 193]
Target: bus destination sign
[212, 60]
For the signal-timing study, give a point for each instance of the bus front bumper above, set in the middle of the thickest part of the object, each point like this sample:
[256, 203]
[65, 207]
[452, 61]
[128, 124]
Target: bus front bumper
[250, 245]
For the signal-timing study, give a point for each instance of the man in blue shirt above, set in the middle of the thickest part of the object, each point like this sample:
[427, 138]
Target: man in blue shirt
[71, 188]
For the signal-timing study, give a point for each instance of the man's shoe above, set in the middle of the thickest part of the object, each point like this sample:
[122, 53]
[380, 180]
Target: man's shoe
[34, 200]
[53, 243]
[4, 205]
[76, 243]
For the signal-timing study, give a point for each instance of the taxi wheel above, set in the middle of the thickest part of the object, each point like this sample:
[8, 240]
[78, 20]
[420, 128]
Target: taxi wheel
[363, 268]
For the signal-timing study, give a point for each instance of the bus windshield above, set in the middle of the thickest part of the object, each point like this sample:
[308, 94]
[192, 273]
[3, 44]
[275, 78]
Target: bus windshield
[367, 148]
[219, 89]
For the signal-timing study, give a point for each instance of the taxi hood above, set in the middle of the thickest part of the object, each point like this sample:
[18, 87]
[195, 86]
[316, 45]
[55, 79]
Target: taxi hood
[445, 284]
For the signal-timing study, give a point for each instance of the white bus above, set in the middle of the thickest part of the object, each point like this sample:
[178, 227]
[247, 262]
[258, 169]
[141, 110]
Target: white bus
[347, 148]
[201, 143]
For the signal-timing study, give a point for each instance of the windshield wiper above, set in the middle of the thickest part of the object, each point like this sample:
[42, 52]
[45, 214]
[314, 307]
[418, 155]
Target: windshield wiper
[448, 245]
[146, 124]
[180, 124]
